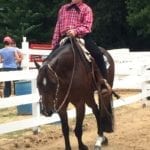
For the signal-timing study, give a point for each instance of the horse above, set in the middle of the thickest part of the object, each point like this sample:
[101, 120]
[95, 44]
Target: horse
[67, 77]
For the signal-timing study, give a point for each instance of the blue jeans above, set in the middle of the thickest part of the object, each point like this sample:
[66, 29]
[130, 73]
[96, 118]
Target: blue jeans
[7, 88]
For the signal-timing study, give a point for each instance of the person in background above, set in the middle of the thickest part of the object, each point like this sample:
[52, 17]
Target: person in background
[19, 54]
[75, 19]
[9, 58]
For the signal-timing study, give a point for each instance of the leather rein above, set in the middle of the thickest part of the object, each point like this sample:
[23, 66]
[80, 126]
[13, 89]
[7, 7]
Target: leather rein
[56, 110]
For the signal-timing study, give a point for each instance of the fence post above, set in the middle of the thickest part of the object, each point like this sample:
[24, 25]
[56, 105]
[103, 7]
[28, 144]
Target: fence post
[35, 107]
[146, 86]
[25, 50]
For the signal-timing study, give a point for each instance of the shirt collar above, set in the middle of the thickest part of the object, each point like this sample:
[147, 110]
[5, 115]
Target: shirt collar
[78, 4]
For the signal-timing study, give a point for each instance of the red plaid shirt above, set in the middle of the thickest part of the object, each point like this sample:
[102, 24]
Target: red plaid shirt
[81, 21]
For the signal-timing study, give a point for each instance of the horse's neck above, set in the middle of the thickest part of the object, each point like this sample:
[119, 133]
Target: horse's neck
[60, 58]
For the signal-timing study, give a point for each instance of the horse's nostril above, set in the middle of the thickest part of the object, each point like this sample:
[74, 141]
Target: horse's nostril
[49, 113]
[45, 113]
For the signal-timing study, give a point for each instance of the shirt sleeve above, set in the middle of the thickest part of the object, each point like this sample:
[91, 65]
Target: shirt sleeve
[56, 35]
[0, 57]
[86, 25]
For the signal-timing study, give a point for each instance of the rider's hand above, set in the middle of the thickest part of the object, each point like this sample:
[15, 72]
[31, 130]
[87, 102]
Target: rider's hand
[71, 33]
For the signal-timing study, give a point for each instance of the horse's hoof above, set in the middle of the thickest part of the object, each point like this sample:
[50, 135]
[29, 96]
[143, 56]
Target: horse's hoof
[97, 148]
[68, 148]
[84, 147]
[105, 141]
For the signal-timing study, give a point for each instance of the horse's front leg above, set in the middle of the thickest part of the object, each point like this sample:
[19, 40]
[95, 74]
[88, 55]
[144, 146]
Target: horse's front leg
[65, 129]
[80, 112]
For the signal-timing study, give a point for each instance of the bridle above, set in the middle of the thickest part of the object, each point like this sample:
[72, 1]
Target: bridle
[55, 100]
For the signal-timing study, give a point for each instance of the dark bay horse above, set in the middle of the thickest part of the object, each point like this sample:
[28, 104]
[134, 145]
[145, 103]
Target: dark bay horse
[66, 77]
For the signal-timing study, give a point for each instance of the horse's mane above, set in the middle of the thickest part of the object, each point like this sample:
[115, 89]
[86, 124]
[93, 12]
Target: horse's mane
[55, 52]
[71, 44]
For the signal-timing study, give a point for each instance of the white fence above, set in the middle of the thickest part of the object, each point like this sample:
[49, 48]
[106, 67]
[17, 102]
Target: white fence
[132, 71]
[26, 74]
[131, 68]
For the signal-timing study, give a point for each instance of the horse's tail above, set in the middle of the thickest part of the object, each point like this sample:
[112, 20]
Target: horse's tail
[106, 113]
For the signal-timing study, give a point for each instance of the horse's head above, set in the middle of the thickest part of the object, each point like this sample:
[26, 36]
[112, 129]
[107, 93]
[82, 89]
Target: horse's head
[47, 86]
[55, 70]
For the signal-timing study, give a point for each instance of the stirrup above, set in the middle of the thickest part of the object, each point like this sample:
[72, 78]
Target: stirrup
[108, 89]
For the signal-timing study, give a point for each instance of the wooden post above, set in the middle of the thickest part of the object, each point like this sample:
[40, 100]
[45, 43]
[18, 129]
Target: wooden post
[25, 50]
[146, 87]
[35, 108]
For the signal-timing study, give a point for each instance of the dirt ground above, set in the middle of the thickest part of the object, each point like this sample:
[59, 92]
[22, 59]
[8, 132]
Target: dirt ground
[132, 132]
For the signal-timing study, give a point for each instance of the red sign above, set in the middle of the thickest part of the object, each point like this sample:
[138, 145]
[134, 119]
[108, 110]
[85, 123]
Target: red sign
[40, 46]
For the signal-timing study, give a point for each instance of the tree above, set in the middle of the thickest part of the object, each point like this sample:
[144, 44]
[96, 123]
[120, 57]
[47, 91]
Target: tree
[139, 21]
[110, 26]
[139, 16]
[116, 23]
[34, 19]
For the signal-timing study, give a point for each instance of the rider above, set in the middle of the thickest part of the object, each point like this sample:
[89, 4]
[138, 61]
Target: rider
[75, 19]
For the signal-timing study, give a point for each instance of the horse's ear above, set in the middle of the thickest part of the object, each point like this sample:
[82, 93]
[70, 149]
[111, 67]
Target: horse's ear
[37, 65]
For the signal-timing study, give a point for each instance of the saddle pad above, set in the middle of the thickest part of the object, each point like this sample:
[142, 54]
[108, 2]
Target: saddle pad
[87, 54]
[85, 51]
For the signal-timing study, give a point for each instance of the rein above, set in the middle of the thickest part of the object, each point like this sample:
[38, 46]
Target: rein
[57, 88]
[58, 85]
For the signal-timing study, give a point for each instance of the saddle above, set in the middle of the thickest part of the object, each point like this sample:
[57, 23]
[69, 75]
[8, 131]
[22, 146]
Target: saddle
[81, 43]
[84, 53]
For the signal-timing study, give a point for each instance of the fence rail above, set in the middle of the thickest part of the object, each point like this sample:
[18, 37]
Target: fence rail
[125, 61]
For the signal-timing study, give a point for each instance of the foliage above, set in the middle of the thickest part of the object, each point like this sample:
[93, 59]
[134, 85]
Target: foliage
[117, 24]
[139, 16]
[139, 20]
[34, 19]
[110, 22]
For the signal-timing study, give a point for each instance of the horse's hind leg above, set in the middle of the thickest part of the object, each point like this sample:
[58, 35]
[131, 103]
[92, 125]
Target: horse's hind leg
[100, 140]
[80, 113]
[65, 128]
